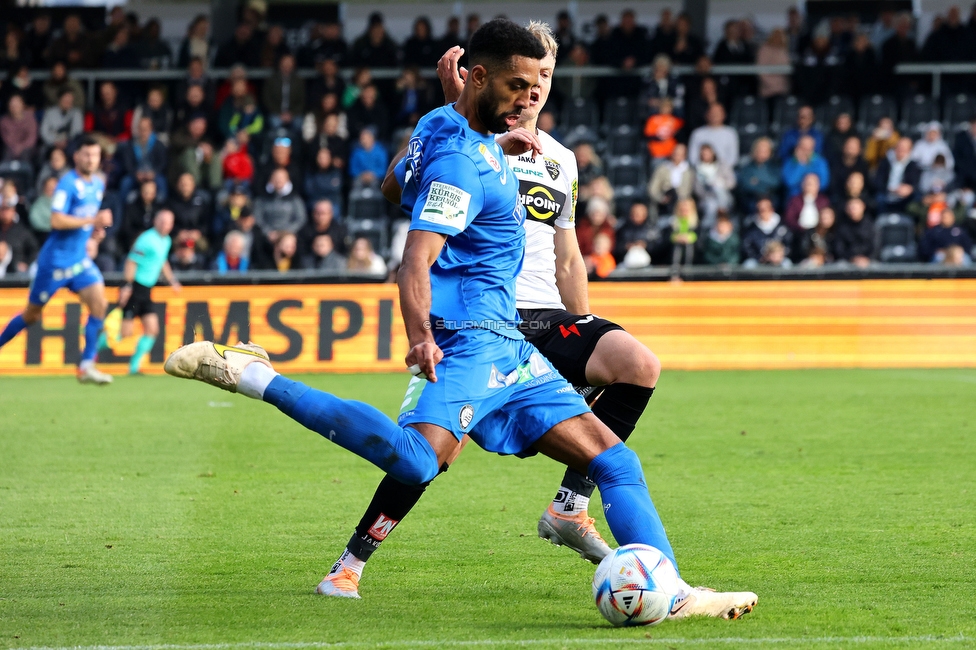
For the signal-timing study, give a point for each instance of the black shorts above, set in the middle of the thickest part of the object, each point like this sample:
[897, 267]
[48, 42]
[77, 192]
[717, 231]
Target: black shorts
[140, 302]
[566, 340]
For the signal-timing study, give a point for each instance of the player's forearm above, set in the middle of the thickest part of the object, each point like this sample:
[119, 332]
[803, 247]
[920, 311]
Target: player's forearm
[168, 274]
[129, 271]
[571, 282]
[413, 279]
[391, 188]
[61, 221]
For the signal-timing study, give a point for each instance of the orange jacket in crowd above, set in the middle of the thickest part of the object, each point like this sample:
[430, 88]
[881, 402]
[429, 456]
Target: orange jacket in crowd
[662, 129]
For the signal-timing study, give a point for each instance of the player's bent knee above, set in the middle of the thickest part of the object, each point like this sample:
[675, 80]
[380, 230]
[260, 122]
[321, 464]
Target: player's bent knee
[618, 465]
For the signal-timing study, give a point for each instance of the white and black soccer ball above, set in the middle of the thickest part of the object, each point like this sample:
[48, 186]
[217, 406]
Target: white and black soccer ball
[635, 585]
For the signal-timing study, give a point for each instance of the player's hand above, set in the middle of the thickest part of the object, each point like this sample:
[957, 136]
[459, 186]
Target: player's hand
[426, 355]
[176, 286]
[452, 78]
[124, 294]
[519, 141]
[103, 219]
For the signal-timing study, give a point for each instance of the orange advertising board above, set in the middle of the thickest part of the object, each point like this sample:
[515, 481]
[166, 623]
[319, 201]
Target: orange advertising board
[701, 325]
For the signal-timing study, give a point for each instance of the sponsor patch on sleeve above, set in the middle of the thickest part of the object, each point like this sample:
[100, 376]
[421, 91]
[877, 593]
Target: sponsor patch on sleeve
[446, 205]
[60, 201]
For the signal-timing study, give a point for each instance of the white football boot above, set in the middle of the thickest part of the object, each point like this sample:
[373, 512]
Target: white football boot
[92, 375]
[215, 364]
[702, 601]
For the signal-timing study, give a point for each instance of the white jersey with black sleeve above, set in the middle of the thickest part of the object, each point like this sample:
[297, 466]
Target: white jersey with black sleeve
[548, 186]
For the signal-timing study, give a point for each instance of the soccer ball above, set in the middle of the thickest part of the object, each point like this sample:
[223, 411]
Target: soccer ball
[635, 585]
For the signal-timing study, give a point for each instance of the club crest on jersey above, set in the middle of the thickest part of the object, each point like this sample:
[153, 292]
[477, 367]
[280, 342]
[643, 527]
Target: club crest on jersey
[490, 159]
[465, 416]
[80, 186]
[415, 155]
[552, 167]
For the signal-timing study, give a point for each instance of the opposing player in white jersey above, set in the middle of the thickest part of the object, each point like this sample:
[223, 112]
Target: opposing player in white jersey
[604, 362]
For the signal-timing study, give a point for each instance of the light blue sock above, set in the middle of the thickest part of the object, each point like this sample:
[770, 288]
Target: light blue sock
[13, 328]
[92, 329]
[143, 347]
[626, 502]
[400, 451]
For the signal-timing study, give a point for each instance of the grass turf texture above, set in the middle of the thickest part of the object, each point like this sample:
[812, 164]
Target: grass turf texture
[158, 511]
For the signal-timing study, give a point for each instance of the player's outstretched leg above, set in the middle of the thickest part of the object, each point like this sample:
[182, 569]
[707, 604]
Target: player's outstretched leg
[20, 322]
[355, 426]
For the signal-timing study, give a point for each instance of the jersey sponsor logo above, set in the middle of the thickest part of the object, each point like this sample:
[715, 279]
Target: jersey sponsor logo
[528, 172]
[490, 159]
[527, 371]
[382, 527]
[575, 196]
[446, 205]
[80, 186]
[541, 203]
[552, 167]
[415, 156]
[465, 416]
[60, 201]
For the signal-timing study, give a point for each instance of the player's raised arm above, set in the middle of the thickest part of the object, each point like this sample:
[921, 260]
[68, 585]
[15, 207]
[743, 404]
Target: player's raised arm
[451, 77]
[413, 278]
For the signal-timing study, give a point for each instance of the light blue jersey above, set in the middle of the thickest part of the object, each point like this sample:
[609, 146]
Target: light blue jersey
[455, 181]
[75, 198]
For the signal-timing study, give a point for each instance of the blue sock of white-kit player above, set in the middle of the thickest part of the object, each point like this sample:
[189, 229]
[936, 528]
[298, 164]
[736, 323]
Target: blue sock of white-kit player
[362, 429]
[626, 502]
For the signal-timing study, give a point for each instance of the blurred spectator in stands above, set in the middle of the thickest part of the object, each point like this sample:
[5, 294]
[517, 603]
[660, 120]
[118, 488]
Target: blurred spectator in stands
[420, 49]
[938, 177]
[152, 52]
[368, 112]
[722, 243]
[600, 262]
[239, 112]
[282, 211]
[14, 54]
[139, 215]
[55, 167]
[661, 130]
[20, 82]
[40, 210]
[700, 101]
[193, 212]
[673, 180]
[937, 242]
[766, 226]
[925, 151]
[196, 44]
[369, 159]
[817, 72]
[185, 257]
[855, 188]
[804, 161]
[240, 49]
[900, 48]
[774, 51]
[95, 251]
[285, 250]
[658, 87]
[964, 150]
[18, 130]
[733, 50]
[283, 156]
[927, 210]
[684, 226]
[192, 104]
[10, 193]
[569, 78]
[862, 70]
[473, 22]
[72, 46]
[774, 253]
[234, 254]
[882, 29]
[897, 178]
[273, 47]
[842, 131]
[323, 180]
[665, 33]
[602, 47]
[597, 220]
[19, 241]
[452, 35]
[547, 123]
[322, 256]
[327, 44]
[195, 155]
[723, 139]
[688, 47]
[591, 167]
[63, 122]
[110, 120]
[226, 89]
[950, 43]
[332, 138]
[119, 54]
[854, 242]
[803, 210]
[805, 126]
[362, 258]
[237, 165]
[157, 110]
[140, 159]
[760, 176]
[714, 182]
[37, 39]
[328, 82]
[374, 48]
[361, 78]
[636, 232]
[413, 99]
[323, 222]
[883, 139]
[284, 94]
[817, 246]
[5, 258]
[565, 37]
[59, 82]
[236, 207]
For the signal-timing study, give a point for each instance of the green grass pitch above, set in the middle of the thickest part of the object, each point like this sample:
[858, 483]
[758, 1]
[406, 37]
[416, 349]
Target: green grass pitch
[163, 512]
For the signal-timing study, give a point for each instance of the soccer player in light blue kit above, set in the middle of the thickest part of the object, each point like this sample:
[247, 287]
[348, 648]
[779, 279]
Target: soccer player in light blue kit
[63, 261]
[477, 375]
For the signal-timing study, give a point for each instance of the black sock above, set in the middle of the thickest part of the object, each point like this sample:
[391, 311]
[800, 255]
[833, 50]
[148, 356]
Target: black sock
[619, 407]
[391, 503]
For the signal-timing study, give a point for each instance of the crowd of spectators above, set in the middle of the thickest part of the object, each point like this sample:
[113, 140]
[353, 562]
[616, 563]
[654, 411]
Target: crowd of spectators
[280, 173]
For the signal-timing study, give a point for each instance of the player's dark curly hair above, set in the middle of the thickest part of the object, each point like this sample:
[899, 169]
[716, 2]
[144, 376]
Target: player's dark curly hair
[498, 41]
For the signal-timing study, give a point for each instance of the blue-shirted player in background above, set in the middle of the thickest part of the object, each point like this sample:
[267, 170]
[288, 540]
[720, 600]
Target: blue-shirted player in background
[63, 262]
[457, 296]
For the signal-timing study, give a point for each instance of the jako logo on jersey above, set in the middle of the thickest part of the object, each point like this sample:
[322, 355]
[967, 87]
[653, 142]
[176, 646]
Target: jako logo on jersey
[552, 167]
[541, 203]
[483, 150]
[415, 155]
[465, 416]
[382, 527]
